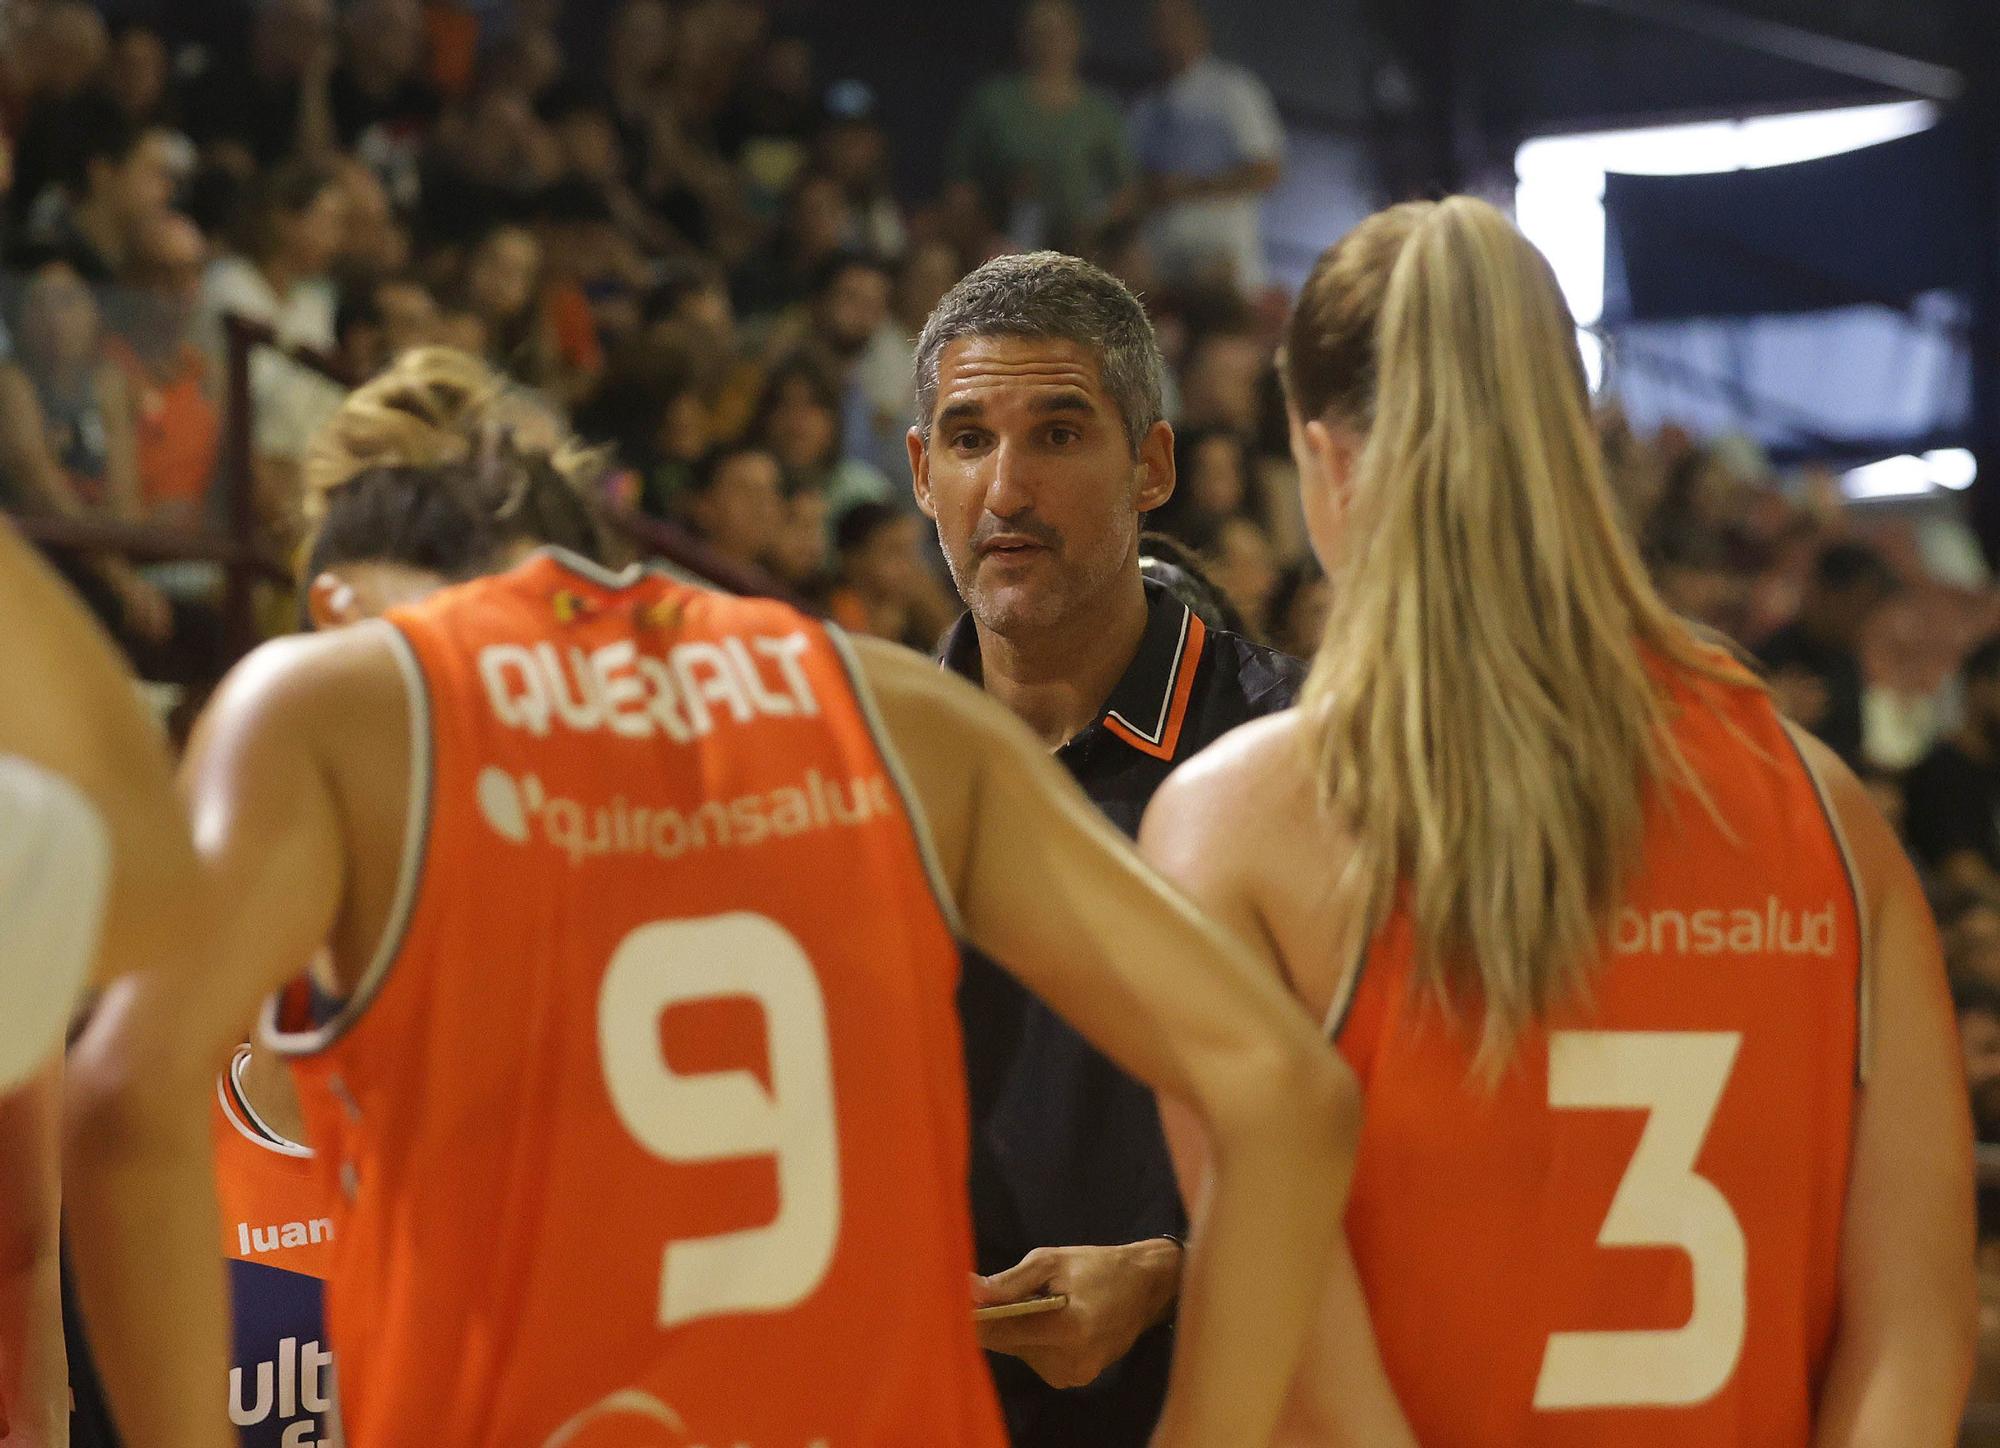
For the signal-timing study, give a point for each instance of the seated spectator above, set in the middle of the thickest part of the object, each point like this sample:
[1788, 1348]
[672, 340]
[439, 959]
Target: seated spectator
[586, 135]
[54, 54]
[887, 588]
[1970, 923]
[1237, 556]
[487, 162]
[782, 273]
[1212, 482]
[272, 103]
[799, 421]
[116, 178]
[380, 82]
[1814, 664]
[1978, 1007]
[803, 557]
[1221, 380]
[1208, 144]
[170, 380]
[651, 411]
[533, 331]
[1299, 604]
[888, 368]
[287, 237]
[374, 241]
[1952, 795]
[1039, 154]
[377, 321]
[737, 503]
[854, 150]
[849, 309]
[689, 309]
[67, 449]
[137, 74]
[767, 129]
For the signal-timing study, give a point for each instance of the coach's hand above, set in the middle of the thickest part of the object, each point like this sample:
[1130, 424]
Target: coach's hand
[1115, 1293]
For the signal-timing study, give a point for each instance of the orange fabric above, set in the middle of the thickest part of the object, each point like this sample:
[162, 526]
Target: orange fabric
[453, 33]
[1477, 1214]
[178, 425]
[575, 327]
[673, 972]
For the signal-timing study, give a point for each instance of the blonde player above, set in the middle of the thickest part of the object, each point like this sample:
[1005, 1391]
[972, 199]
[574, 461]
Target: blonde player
[636, 1060]
[1664, 1141]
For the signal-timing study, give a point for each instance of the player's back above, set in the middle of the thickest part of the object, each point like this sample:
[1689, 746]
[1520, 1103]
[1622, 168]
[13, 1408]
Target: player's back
[1631, 1239]
[649, 1121]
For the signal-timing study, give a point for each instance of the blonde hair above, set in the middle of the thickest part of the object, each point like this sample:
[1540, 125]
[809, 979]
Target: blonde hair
[438, 411]
[1482, 717]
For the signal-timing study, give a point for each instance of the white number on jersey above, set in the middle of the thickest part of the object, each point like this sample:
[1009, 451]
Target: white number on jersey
[1678, 1076]
[725, 1115]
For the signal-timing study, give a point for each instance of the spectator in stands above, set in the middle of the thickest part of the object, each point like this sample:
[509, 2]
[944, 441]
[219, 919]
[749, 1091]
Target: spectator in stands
[275, 101]
[137, 75]
[767, 129]
[1211, 465]
[1222, 376]
[1297, 618]
[651, 411]
[1952, 795]
[737, 502]
[171, 382]
[638, 59]
[1209, 146]
[587, 137]
[66, 443]
[1978, 1007]
[887, 369]
[886, 587]
[799, 421]
[118, 178]
[380, 81]
[854, 150]
[1814, 663]
[850, 307]
[783, 272]
[53, 58]
[374, 241]
[1039, 154]
[486, 163]
[534, 333]
[379, 320]
[1237, 556]
[689, 309]
[802, 560]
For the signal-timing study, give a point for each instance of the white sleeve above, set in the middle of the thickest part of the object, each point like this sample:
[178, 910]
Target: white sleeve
[55, 877]
[1259, 133]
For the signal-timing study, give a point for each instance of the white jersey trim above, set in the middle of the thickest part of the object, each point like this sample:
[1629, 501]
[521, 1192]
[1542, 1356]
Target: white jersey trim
[1864, 977]
[416, 844]
[255, 1130]
[947, 904]
[624, 577]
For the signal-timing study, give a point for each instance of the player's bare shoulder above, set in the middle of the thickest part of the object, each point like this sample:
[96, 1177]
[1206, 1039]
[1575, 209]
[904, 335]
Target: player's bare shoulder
[1227, 800]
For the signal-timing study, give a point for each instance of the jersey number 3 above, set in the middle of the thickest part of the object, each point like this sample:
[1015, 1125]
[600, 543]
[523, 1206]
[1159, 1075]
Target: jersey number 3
[726, 1115]
[1678, 1077]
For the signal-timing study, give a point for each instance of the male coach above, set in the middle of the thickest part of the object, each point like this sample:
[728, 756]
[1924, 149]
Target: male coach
[1039, 444]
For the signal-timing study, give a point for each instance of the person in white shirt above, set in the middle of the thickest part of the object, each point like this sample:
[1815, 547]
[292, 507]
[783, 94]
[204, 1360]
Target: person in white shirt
[1209, 145]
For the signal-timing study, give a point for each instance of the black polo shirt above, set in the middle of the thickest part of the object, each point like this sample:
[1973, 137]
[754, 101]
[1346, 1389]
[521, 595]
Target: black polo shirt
[1067, 1150]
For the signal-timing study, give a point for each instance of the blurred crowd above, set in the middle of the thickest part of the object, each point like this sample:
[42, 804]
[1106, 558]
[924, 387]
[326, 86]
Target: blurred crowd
[681, 234]
[671, 226]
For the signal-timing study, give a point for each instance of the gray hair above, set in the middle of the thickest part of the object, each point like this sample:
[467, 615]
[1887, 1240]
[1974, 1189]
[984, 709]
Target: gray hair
[1049, 296]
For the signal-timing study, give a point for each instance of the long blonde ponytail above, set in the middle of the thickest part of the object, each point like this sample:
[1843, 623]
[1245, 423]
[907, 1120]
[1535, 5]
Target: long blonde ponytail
[1483, 719]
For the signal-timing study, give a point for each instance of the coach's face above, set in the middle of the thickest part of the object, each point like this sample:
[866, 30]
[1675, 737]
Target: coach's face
[1032, 481]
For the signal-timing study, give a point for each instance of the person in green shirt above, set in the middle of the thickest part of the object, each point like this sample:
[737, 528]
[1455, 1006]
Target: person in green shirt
[1043, 154]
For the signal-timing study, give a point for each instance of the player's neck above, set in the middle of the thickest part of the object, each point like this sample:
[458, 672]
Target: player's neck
[1057, 680]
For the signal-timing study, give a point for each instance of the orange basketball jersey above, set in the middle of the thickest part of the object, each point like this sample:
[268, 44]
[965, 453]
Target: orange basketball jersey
[649, 1121]
[1632, 1239]
[277, 1234]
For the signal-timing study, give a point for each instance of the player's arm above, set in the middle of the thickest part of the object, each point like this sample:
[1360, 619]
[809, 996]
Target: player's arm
[142, 1206]
[1907, 1324]
[1046, 886]
[1201, 832]
[34, 1371]
[70, 707]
